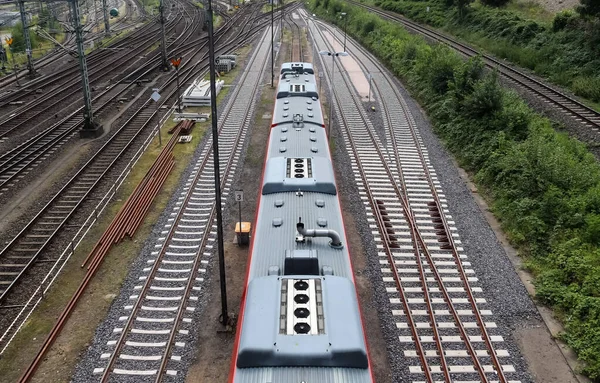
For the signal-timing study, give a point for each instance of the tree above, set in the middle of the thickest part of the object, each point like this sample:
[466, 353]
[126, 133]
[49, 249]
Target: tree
[494, 3]
[589, 8]
[18, 44]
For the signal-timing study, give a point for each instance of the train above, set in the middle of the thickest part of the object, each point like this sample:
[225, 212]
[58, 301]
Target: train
[300, 320]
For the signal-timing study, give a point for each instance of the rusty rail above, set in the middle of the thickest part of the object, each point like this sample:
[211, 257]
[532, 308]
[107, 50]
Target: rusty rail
[446, 240]
[132, 211]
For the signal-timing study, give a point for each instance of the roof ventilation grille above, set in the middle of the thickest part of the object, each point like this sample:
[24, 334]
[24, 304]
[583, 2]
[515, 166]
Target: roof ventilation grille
[299, 168]
[298, 121]
[302, 307]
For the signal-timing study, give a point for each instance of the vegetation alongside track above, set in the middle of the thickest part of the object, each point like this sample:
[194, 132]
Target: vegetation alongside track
[543, 186]
[565, 49]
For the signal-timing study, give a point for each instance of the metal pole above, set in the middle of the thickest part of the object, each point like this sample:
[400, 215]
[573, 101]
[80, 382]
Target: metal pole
[3, 57]
[272, 48]
[178, 97]
[215, 134]
[12, 55]
[345, 23]
[162, 32]
[370, 87]
[27, 38]
[87, 97]
[105, 12]
[332, 95]
[240, 209]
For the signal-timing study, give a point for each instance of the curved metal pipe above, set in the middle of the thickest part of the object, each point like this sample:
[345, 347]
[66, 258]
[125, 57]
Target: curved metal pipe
[335, 237]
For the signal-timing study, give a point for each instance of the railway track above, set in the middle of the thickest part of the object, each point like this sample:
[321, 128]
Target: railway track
[438, 308]
[296, 53]
[34, 245]
[59, 53]
[15, 163]
[104, 67]
[569, 105]
[156, 326]
[19, 161]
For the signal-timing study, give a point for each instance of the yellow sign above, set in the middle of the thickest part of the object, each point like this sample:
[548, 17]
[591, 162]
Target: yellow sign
[9, 40]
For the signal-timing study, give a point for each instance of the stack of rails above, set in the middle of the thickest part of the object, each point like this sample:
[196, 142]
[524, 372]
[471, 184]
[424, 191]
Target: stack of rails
[300, 318]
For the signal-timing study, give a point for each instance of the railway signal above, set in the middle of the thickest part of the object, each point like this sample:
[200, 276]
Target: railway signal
[9, 41]
[175, 62]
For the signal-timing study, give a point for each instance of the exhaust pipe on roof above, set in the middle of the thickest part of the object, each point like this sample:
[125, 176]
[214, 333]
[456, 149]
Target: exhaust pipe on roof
[335, 237]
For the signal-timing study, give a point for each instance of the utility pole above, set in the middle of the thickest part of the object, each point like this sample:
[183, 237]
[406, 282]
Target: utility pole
[2, 57]
[165, 64]
[272, 50]
[215, 136]
[27, 38]
[90, 128]
[332, 90]
[105, 12]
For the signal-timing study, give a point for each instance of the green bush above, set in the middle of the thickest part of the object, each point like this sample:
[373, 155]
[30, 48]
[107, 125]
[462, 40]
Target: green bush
[18, 44]
[544, 186]
[588, 87]
[563, 19]
[495, 3]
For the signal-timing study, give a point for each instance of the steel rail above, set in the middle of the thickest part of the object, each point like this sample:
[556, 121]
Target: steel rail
[437, 204]
[197, 259]
[417, 241]
[138, 37]
[383, 230]
[589, 115]
[170, 95]
[19, 159]
[402, 193]
[108, 145]
[118, 222]
[448, 235]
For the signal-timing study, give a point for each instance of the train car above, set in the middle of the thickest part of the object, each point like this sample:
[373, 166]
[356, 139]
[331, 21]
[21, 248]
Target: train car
[300, 319]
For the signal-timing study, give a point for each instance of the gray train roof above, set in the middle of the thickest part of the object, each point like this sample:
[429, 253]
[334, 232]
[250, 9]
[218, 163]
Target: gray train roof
[324, 341]
[277, 218]
[305, 327]
[299, 67]
[309, 108]
[294, 85]
[296, 134]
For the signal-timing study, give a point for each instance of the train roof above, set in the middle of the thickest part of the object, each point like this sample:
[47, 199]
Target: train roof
[298, 67]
